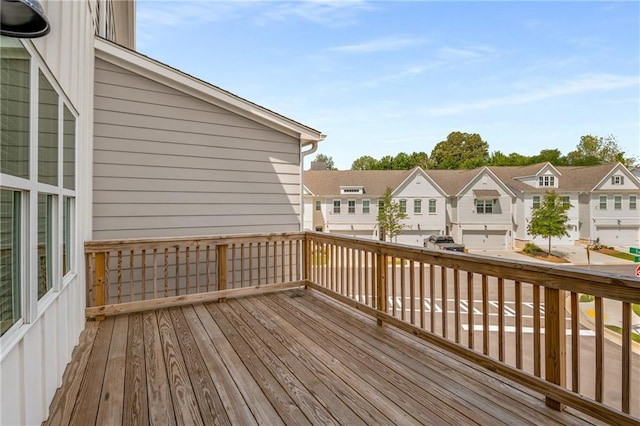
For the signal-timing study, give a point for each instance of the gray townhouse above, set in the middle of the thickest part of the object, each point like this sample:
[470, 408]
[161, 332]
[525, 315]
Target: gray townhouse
[486, 208]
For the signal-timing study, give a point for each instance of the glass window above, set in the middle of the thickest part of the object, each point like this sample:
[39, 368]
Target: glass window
[566, 202]
[617, 180]
[45, 244]
[366, 206]
[633, 202]
[318, 205]
[546, 181]
[351, 206]
[14, 108]
[484, 206]
[603, 202]
[432, 206]
[403, 206]
[10, 259]
[47, 132]
[69, 150]
[67, 234]
[617, 202]
[417, 206]
[536, 201]
[336, 206]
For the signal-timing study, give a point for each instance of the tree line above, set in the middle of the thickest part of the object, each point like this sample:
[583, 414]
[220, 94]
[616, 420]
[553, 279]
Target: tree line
[468, 151]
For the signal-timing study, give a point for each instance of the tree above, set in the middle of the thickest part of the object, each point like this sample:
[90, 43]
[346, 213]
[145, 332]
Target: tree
[460, 150]
[592, 150]
[389, 217]
[553, 156]
[550, 218]
[321, 158]
[366, 162]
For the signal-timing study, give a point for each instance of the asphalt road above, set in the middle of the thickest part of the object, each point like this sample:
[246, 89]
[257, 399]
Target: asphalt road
[471, 317]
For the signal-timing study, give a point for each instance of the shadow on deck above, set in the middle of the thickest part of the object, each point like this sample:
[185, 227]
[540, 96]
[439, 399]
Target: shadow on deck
[294, 357]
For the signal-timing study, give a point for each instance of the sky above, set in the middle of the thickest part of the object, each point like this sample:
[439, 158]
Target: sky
[383, 77]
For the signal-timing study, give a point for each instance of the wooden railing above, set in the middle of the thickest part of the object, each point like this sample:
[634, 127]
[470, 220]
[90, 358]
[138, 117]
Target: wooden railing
[515, 318]
[548, 328]
[140, 274]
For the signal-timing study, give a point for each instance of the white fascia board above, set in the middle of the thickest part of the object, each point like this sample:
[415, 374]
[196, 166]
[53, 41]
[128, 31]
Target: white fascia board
[493, 176]
[617, 167]
[164, 74]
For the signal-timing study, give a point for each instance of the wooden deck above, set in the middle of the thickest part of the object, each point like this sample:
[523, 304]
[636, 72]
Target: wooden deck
[292, 357]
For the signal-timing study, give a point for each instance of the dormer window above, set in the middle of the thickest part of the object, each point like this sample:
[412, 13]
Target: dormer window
[617, 180]
[352, 190]
[549, 181]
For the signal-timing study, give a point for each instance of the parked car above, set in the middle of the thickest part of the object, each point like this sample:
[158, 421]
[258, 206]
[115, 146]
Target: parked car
[443, 242]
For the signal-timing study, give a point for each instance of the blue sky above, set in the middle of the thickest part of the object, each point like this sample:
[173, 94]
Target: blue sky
[382, 77]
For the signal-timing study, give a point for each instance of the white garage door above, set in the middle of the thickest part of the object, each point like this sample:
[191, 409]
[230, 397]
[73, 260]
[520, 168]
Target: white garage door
[414, 238]
[487, 240]
[620, 236]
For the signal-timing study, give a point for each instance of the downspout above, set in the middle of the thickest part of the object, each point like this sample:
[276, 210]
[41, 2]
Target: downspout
[314, 147]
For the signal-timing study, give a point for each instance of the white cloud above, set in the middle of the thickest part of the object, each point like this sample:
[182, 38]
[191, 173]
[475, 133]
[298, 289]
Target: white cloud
[381, 45]
[582, 84]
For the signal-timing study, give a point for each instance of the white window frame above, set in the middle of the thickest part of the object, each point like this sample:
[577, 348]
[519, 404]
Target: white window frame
[351, 206]
[617, 180]
[318, 205]
[633, 202]
[417, 206]
[602, 202]
[337, 206]
[482, 204]
[403, 206]
[617, 202]
[366, 206]
[29, 188]
[565, 200]
[535, 202]
[433, 203]
[547, 181]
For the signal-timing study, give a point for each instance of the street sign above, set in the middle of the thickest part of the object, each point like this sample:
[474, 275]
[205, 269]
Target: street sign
[638, 271]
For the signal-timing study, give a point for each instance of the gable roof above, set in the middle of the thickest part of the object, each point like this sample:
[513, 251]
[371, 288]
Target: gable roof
[375, 182]
[415, 171]
[188, 84]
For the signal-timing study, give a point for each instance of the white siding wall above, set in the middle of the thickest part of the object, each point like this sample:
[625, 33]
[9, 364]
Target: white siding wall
[167, 164]
[345, 222]
[34, 359]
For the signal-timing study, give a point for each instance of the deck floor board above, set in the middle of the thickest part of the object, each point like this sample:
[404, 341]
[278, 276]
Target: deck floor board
[293, 357]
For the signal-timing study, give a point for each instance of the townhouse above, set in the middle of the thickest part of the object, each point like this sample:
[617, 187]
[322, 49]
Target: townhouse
[98, 141]
[486, 208]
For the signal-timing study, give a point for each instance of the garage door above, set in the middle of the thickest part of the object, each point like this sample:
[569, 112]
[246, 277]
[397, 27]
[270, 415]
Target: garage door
[485, 240]
[359, 234]
[621, 236]
[414, 238]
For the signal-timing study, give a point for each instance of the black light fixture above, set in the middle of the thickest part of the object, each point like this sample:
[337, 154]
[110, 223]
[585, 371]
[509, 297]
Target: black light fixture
[23, 19]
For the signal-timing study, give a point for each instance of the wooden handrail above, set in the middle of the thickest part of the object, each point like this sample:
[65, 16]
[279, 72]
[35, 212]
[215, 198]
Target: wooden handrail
[362, 273]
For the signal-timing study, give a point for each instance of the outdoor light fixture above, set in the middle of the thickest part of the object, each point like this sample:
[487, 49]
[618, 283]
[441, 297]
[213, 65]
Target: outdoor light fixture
[23, 19]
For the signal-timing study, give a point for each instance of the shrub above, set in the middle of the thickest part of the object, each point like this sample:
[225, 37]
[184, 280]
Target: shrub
[531, 248]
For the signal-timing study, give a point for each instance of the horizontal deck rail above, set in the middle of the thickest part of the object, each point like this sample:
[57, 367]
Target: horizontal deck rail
[547, 327]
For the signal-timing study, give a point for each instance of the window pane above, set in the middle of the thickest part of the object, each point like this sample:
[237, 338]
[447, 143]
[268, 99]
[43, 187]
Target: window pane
[45, 243]
[14, 108]
[10, 303]
[632, 202]
[417, 206]
[67, 231]
[47, 132]
[69, 155]
[403, 206]
[366, 206]
[432, 206]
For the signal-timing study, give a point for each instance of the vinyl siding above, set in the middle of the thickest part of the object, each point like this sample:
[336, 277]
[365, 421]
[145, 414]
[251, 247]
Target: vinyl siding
[168, 164]
[34, 358]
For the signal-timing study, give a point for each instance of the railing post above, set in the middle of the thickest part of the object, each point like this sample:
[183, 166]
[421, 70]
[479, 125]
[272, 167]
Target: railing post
[306, 258]
[381, 284]
[221, 262]
[555, 341]
[99, 274]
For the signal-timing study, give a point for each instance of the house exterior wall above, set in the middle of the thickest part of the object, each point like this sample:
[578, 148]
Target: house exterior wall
[34, 355]
[168, 164]
[419, 226]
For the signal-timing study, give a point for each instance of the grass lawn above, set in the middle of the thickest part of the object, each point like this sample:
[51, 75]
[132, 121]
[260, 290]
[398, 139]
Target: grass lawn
[618, 254]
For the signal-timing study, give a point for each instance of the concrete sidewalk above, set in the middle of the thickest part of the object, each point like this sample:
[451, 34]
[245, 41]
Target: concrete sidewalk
[576, 255]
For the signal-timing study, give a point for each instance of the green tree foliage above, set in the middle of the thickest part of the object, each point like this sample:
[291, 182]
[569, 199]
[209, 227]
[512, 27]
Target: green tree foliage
[321, 158]
[550, 218]
[460, 151]
[592, 150]
[402, 161]
[553, 156]
[389, 217]
[366, 162]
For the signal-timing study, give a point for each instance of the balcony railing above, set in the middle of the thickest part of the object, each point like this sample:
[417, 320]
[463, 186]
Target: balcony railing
[540, 325]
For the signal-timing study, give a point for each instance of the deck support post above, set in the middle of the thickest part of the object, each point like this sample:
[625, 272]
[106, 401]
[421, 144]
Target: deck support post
[555, 341]
[306, 259]
[221, 262]
[99, 274]
[381, 284]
